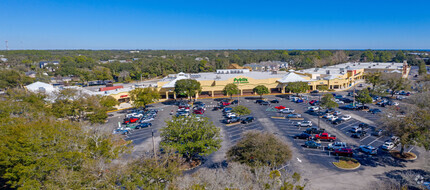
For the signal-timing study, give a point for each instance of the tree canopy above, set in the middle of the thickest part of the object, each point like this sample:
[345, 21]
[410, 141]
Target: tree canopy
[188, 87]
[261, 90]
[364, 97]
[297, 87]
[231, 89]
[256, 149]
[241, 110]
[191, 136]
[327, 101]
[144, 96]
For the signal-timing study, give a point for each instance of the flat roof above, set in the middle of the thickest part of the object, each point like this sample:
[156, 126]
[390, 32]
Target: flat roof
[344, 67]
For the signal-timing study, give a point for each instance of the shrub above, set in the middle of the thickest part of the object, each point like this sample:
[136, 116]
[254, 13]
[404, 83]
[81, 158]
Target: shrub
[241, 110]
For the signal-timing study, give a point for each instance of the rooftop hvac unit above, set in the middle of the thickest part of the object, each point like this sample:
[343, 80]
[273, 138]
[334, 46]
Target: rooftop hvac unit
[370, 66]
[327, 72]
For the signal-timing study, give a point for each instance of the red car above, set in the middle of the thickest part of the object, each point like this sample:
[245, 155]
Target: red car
[326, 136]
[225, 103]
[280, 107]
[131, 120]
[343, 152]
[199, 111]
[312, 101]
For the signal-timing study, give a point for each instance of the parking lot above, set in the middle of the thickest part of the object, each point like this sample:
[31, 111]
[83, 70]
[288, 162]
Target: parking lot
[232, 133]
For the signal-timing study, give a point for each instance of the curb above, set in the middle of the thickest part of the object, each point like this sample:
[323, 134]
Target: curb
[278, 117]
[297, 119]
[232, 124]
[347, 168]
[409, 159]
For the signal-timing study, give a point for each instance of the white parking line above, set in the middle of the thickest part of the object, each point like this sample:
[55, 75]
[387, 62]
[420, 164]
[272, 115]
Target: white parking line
[411, 149]
[324, 155]
[347, 126]
[365, 138]
[375, 140]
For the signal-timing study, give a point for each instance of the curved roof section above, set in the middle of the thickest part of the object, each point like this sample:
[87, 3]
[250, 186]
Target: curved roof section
[292, 77]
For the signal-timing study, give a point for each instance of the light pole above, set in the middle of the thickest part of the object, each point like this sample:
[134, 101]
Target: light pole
[153, 145]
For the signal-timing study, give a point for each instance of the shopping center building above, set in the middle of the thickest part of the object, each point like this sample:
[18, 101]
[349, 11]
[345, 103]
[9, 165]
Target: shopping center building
[337, 77]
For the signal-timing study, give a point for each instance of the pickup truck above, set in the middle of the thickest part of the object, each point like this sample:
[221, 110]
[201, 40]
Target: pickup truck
[336, 145]
[325, 136]
[314, 130]
[286, 110]
[304, 124]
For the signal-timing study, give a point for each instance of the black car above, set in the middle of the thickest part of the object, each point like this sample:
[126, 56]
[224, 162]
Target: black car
[375, 111]
[265, 103]
[248, 120]
[275, 101]
[346, 100]
[232, 120]
[362, 107]
[314, 130]
[143, 125]
[364, 125]
[303, 136]
[337, 121]
[331, 110]
[315, 91]
[235, 102]
[377, 133]
[259, 101]
[359, 134]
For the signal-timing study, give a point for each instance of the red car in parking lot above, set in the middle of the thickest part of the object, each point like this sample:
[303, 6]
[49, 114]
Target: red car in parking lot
[199, 111]
[131, 120]
[343, 152]
[280, 107]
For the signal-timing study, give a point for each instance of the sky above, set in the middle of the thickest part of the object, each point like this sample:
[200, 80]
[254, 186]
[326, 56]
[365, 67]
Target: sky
[221, 24]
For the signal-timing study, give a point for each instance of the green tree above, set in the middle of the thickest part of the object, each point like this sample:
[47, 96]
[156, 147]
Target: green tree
[367, 56]
[231, 89]
[241, 110]
[373, 78]
[108, 101]
[393, 82]
[297, 87]
[191, 136]
[322, 87]
[261, 90]
[13, 78]
[422, 69]
[144, 96]
[400, 57]
[188, 87]
[257, 148]
[327, 101]
[364, 97]
[102, 73]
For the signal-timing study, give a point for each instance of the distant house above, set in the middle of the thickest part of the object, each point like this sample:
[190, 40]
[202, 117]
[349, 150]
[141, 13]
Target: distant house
[254, 67]
[134, 51]
[40, 87]
[135, 59]
[43, 64]
[30, 74]
[3, 59]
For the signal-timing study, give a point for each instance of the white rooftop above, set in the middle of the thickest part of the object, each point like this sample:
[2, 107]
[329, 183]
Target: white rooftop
[292, 77]
[344, 67]
[41, 87]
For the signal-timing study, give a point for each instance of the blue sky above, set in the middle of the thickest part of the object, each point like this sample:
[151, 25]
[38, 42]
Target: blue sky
[127, 24]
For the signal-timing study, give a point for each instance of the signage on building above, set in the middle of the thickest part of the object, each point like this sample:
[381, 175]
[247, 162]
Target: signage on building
[123, 96]
[240, 80]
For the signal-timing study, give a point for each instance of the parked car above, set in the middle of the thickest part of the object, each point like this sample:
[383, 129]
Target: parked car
[234, 102]
[315, 91]
[339, 101]
[299, 100]
[199, 111]
[227, 109]
[313, 108]
[314, 130]
[295, 115]
[362, 107]
[143, 125]
[265, 103]
[333, 118]
[312, 144]
[328, 115]
[286, 111]
[121, 131]
[377, 132]
[337, 121]
[182, 113]
[368, 149]
[345, 117]
[248, 120]
[375, 111]
[343, 152]
[355, 129]
[131, 120]
[337, 113]
[259, 101]
[136, 114]
[280, 107]
[146, 120]
[359, 134]
[313, 102]
[326, 137]
[275, 101]
[232, 120]
[304, 124]
[230, 115]
[336, 145]
[330, 110]
[303, 136]
[388, 145]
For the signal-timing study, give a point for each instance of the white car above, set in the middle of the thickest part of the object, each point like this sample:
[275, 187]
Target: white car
[345, 117]
[388, 145]
[336, 145]
[183, 109]
[328, 116]
[337, 113]
[339, 101]
[304, 124]
[286, 110]
[145, 120]
[313, 108]
[230, 115]
[355, 129]
[134, 115]
[332, 118]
